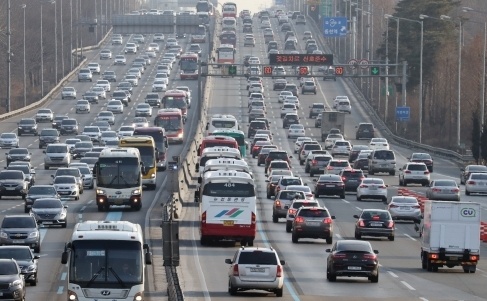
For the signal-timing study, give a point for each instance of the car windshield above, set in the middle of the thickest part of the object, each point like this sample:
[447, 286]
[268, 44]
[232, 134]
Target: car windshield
[83, 144]
[65, 180]
[8, 135]
[10, 175]
[404, 200]
[375, 215]
[17, 253]
[354, 247]
[51, 204]
[289, 195]
[42, 190]
[18, 222]
[18, 151]
[448, 183]
[421, 157]
[418, 167]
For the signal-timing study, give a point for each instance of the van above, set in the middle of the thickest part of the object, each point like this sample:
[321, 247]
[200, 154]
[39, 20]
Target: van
[272, 45]
[57, 154]
[290, 45]
[382, 160]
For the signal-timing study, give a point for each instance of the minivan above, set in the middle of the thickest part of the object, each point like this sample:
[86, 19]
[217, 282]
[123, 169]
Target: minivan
[382, 160]
[57, 154]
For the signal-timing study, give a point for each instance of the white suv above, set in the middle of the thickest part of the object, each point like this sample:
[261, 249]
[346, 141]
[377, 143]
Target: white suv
[255, 268]
[414, 172]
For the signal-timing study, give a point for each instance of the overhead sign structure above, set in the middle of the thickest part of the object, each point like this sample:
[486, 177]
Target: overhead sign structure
[300, 59]
[352, 64]
[403, 113]
[334, 27]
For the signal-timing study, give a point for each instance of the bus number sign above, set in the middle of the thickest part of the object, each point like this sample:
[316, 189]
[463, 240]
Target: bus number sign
[267, 70]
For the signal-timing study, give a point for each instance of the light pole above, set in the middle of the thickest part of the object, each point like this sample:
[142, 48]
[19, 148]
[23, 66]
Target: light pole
[71, 34]
[62, 38]
[25, 88]
[9, 60]
[55, 41]
[42, 50]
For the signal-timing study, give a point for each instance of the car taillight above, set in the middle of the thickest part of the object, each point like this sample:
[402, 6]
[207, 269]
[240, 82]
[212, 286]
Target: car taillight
[455, 190]
[253, 218]
[235, 270]
[279, 271]
[390, 224]
[471, 182]
[393, 206]
[329, 167]
[436, 190]
[407, 171]
[299, 219]
[292, 211]
[382, 187]
[361, 223]
[474, 257]
[278, 203]
[344, 178]
[417, 207]
[370, 256]
[327, 220]
[314, 162]
[426, 172]
[339, 256]
[203, 217]
[363, 186]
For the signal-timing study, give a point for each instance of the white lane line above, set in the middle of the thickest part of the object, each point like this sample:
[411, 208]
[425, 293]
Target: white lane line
[408, 285]
[338, 236]
[410, 237]
[423, 299]
[197, 262]
[358, 208]
[345, 201]
[392, 274]
[63, 276]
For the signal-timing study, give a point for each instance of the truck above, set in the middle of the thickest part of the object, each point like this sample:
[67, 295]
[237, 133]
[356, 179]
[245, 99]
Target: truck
[450, 235]
[331, 120]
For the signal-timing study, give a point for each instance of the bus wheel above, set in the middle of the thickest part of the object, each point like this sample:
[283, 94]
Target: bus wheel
[100, 208]
[203, 240]
[250, 242]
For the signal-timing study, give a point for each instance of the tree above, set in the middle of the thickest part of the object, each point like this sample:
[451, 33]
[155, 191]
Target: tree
[475, 147]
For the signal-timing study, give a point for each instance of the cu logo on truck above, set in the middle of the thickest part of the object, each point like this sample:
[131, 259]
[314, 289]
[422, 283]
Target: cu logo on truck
[467, 212]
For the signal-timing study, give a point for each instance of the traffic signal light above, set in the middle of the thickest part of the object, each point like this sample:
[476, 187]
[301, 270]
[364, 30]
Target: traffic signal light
[303, 70]
[232, 70]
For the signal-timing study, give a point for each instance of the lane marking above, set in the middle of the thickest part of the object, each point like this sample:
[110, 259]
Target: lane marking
[408, 285]
[423, 299]
[392, 274]
[358, 208]
[410, 237]
[63, 276]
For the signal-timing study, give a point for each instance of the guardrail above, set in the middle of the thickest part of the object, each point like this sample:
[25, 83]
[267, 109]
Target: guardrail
[60, 84]
[379, 123]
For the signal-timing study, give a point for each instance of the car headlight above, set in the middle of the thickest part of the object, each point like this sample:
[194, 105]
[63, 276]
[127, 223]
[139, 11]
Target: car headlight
[15, 283]
[100, 191]
[62, 215]
[3, 235]
[33, 234]
[136, 191]
[153, 175]
[30, 268]
[72, 187]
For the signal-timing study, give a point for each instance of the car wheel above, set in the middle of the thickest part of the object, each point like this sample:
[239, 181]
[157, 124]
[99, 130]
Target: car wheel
[46, 167]
[467, 192]
[288, 227]
[37, 249]
[392, 173]
[358, 235]
[295, 238]
[391, 238]
[311, 174]
[374, 279]
[65, 224]
[269, 196]
[231, 290]
[424, 261]
[331, 277]
[329, 240]
[342, 196]
[278, 292]
[26, 210]
[34, 282]
[359, 198]
[275, 219]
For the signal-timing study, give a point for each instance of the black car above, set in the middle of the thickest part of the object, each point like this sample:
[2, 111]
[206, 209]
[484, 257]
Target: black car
[18, 154]
[247, 28]
[81, 148]
[356, 149]
[279, 85]
[422, 158]
[122, 96]
[12, 283]
[365, 130]
[352, 178]
[285, 27]
[313, 222]
[91, 97]
[56, 123]
[263, 155]
[13, 183]
[254, 126]
[288, 119]
[38, 192]
[153, 99]
[362, 161]
[352, 258]
[48, 136]
[329, 185]
[27, 126]
[277, 155]
[69, 126]
[26, 260]
[374, 222]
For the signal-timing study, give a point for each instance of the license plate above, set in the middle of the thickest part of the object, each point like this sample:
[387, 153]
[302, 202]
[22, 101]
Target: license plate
[312, 223]
[373, 188]
[322, 168]
[355, 268]
[329, 185]
[118, 202]
[404, 208]
[10, 188]
[453, 258]
[228, 223]
[383, 165]
[376, 224]
[257, 270]
[18, 241]
[47, 223]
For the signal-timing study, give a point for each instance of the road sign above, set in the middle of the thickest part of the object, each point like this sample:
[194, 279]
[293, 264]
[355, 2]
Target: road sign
[339, 70]
[352, 64]
[364, 64]
[232, 70]
[300, 59]
[403, 113]
[334, 27]
[303, 70]
[267, 70]
[374, 70]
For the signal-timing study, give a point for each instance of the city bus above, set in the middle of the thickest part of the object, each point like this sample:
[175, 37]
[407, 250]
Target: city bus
[228, 37]
[221, 121]
[204, 6]
[216, 152]
[200, 35]
[171, 120]
[160, 139]
[188, 65]
[212, 141]
[226, 54]
[229, 9]
[106, 258]
[228, 207]
[118, 174]
[229, 24]
[238, 135]
[176, 99]
[147, 150]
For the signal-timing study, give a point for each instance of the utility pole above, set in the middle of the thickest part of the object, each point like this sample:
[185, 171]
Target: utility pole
[9, 57]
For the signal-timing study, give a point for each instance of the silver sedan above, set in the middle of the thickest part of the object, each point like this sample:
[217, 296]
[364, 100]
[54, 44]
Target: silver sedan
[476, 183]
[443, 190]
[404, 208]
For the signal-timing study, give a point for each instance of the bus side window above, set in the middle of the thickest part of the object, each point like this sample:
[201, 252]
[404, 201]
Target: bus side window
[207, 125]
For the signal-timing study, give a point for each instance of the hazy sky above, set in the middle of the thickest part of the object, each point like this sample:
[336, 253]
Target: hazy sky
[253, 5]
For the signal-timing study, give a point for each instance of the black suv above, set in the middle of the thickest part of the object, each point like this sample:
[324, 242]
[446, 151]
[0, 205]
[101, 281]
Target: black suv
[352, 178]
[26, 260]
[288, 119]
[48, 136]
[56, 123]
[153, 99]
[364, 130]
[254, 126]
[27, 126]
[39, 192]
[122, 96]
[12, 283]
[69, 126]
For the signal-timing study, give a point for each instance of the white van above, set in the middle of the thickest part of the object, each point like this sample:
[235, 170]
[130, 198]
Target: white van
[221, 122]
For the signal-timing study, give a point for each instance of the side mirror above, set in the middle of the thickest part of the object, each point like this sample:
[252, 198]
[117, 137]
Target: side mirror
[228, 261]
[267, 181]
[52, 176]
[290, 157]
[376, 251]
[400, 168]
[315, 180]
[328, 250]
[356, 216]
[333, 217]
[305, 184]
[44, 152]
[36, 257]
[148, 257]
[283, 262]
[64, 257]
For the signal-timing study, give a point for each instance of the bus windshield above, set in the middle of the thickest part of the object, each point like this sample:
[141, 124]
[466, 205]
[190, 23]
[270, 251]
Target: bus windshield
[106, 263]
[147, 155]
[169, 123]
[223, 124]
[229, 190]
[188, 64]
[118, 173]
[174, 102]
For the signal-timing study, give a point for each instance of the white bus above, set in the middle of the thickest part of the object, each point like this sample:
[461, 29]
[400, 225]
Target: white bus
[226, 164]
[106, 261]
[229, 24]
[215, 153]
[226, 54]
[221, 122]
[118, 175]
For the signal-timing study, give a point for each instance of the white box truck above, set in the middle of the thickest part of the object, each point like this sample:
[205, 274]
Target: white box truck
[332, 120]
[450, 235]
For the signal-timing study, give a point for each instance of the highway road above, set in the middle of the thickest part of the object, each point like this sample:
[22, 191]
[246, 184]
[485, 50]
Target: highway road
[204, 273]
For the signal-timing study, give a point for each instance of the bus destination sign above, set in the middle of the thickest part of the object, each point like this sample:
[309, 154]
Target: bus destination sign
[301, 59]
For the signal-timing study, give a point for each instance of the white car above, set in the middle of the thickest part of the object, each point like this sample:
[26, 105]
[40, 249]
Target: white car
[132, 79]
[9, 140]
[344, 106]
[341, 148]
[115, 106]
[283, 95]
[93, 132]
[106, 116]
[171, 42]
[44, 115]
[299, 143]
[253, 70]
[296, 130]
[257, 105]
[159, 86]
[71, 142]
[158, 37]
[414, 172]
[143, 109]
[108, 136]
[120, 60]
[167, 61]
[331, 138]
[94, 68]
[126, 131]
[100, 91]
[372, 188]
[153, 47]
[134, 71]
[151, 53]
[67, 187]
[130, 48]
[476, 183]
[68, 92]
[335, 166]
[162, 77]
[254, 61]
[83, 106]
[169, 56]
[105, 54]
[337, 99]
[378, 143]
[288, 108]
[256, 87]
[292, 99]
[105, 84]
[140, 122]
[255, 96]
[164, 68]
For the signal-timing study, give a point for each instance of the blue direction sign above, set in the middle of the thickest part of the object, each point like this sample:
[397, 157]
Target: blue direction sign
[403, 113]
[334, 27]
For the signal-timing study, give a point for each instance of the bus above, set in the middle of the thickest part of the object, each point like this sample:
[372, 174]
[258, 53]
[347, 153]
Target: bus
[200, 35]
[147, 150]
[229, 9]
[238, 135]
[118, 174]
[188, 64]
[228, 207]
[171, 120]
[176, 99]
[229, 24]
[226, 54]
[204, 6]
[225, 164]
[228, 37]
[212, 141]
[221, 121]
[160, 139]
[106, 258]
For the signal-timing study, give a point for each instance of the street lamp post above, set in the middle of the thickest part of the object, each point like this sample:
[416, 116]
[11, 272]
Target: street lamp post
[25, 88]
[55, 42]
[62, 38]
[9, 60]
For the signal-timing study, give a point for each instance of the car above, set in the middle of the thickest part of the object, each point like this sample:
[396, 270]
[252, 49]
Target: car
[256, 268]
[92, 96]
[171, 42]
[71, 171]
[339, 98]
[286, 181]
[295, 131]
[382, 160]
[476, 183]
[108, 136]
[277, 165]
[372, 188]
[56, 123]
[100, 92]
[315, 109]
[27, 126]
[292, 100]
[50, 211]
[329, 185]
[132, 79]
[83, 106]
[195, 48]
[365, 130]
[309, 86]
[257, 146]
[81, 148]
[120, 60]
[130, 48]
[115, 106]
[85, 74]
[153, 47]
[67, 187]
[18, 154]
[443, 190]
[291, 88]
[352, 178]
[106, 116]
[122, 95]
[316, 162]
[351, 258]
[159, 86]
[93, 132]
[279, 84]
[378, 143]
[9, 140]
[465, 172]
[125, 131]
[56, 154]
[290, 119]
[278, 71]
[39, 191]
[264, 152]
[413, 172]
[140, 122]
[249, 41]
[94, 68]
[105, 84]
[285, 27]
[69, 126]
[48, 136]
[299, 142]
[26, 260]
[422, 157]
[301, 19]
[68, 92]
[293, 209]
[307, 35]
[13, 183]
[354, 152]
[109, 75]
[283, 201]
[288, 108]
[362, 160]
[376, 223]
[257, 105]
[306, 147]
[25, 224]
[312, 222]
[164, 77]
[71, 142]
[405, 208]
[341, 148]
[105, 54]
[28, 171]
[158, 37]
[12, 282]
[318, 120]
